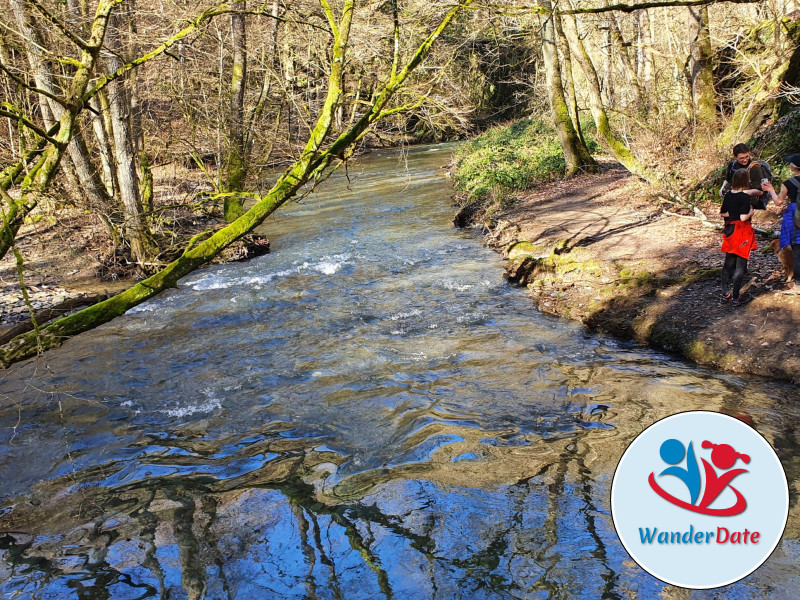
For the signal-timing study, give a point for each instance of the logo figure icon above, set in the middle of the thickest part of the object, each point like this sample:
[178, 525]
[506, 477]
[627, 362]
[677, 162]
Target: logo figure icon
[723, 457]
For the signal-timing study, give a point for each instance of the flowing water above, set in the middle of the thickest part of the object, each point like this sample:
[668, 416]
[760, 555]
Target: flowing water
[369, 412]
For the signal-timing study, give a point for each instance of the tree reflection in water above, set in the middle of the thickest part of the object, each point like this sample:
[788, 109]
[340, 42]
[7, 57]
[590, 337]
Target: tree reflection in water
[282, 532]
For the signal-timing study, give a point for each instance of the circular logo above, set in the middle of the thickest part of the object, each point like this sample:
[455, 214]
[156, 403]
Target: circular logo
[699, 500]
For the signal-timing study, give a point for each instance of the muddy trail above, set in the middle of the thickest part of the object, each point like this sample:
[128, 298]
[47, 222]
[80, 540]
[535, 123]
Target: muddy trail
[601, 250]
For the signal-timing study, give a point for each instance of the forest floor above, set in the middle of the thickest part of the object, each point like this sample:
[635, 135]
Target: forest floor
[70, 261]
[63, 260]
[602, 249]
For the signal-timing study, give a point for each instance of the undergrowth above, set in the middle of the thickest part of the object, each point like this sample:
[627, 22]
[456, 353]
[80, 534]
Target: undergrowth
[508, 159]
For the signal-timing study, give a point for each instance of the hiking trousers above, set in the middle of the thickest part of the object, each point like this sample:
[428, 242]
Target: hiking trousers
[734, 270]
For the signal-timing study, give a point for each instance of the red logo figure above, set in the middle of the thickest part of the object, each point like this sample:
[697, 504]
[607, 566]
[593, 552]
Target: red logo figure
[724, 457]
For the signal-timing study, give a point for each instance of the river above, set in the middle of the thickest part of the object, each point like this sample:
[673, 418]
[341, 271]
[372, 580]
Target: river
[368, 412]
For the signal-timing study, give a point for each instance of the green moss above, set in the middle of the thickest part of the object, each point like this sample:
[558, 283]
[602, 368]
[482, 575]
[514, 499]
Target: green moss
[701, 352]
[518, 251]
[508, 159]
[567, 264]
[38, 218]
[629, 277]
[553, 267]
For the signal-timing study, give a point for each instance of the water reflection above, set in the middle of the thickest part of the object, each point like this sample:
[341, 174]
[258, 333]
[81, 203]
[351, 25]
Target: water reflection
[371, 415]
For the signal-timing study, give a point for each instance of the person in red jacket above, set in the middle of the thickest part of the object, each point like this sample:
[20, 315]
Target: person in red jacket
[738, 238]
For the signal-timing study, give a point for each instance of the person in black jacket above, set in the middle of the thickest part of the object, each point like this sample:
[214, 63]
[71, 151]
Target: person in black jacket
[738, 238]
[759, 170]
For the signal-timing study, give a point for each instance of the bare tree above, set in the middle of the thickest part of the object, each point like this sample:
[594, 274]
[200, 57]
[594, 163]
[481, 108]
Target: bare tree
[135, 226]
[236, 160]
[316, 157]
[576, 154]
[615, 145]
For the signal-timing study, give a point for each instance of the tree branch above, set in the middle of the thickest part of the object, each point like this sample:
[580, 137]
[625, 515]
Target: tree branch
[21, 82]
[626, 8]
[23, 120]
[194, 25]
[59, 25]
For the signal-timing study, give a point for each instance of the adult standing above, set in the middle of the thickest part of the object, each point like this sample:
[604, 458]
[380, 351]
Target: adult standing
[786, 200]
[743, 159]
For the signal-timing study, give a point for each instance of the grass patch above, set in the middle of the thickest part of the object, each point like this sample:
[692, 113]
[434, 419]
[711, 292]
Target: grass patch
[508, 159]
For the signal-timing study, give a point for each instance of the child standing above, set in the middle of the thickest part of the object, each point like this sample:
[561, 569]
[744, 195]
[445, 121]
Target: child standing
[738, 238]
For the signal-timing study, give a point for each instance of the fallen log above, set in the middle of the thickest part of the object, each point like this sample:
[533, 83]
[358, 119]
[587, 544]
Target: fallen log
[48, 314]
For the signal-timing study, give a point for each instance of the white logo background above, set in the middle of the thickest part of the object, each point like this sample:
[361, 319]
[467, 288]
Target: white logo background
[635, 505]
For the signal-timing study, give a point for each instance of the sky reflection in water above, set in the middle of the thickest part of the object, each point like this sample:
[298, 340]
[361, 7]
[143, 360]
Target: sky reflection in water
[370, 412]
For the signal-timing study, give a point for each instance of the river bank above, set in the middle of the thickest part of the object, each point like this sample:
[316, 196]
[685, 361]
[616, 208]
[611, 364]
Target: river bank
[70, 260]
[602, 250]
[599, 249]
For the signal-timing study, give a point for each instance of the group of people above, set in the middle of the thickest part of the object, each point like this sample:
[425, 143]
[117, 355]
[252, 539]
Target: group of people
[747, 188]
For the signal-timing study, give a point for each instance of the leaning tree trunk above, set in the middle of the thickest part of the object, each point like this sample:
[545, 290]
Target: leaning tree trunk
[614, 144]
[576, 154]
[311, 164]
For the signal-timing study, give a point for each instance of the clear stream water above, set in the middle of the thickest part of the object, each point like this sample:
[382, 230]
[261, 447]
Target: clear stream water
[369, 412]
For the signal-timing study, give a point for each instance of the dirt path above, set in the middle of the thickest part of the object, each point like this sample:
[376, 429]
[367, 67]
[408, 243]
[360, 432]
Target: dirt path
[598, 249]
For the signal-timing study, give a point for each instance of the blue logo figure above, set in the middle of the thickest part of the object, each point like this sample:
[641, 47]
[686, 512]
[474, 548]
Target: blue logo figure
[672, 452]
[723, 456]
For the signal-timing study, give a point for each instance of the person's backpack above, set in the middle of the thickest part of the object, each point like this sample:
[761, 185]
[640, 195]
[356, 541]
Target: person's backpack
[766, 172]
[759, 171]
[796, 216]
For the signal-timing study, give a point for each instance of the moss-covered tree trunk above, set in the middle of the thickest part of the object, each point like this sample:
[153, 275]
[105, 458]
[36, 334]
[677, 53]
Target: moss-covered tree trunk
[702, 72]
[90, 183]
[41, 173]
[572, 95]
[611, 141]
[576, 154]
[311, 164]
